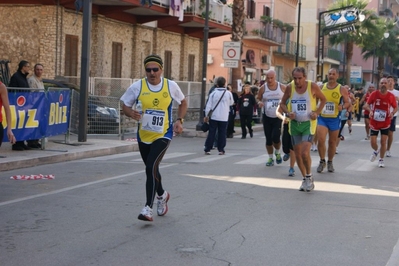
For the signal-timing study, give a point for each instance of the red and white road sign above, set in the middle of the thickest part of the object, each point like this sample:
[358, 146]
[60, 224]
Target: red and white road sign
[231, 50]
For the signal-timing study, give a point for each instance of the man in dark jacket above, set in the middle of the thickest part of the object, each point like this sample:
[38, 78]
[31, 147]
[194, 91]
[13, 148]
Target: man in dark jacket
[19, 80]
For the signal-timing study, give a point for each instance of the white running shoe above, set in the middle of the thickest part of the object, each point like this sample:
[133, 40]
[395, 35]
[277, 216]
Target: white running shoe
[309, 183]
[303, 185]
[373, 156]
[314, 147]
[389, 154]
[146, 214]
[381, 163]
[162, 206]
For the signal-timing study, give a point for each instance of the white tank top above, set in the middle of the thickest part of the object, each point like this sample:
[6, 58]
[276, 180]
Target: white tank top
[301, 104]
[271, 100]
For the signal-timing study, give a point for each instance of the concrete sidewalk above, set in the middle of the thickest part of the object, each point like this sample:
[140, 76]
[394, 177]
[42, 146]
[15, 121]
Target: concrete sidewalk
[57, 149]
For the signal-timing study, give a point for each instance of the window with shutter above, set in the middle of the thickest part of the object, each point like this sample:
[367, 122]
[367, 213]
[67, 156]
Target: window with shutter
[264, 59]
[266, 11]
[167, 65]
[191, 61]
[71, 55]
[116, 67]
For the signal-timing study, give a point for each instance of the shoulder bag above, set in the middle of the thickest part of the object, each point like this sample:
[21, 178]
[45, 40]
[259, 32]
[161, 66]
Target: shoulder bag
[211, 111]
[205, 126]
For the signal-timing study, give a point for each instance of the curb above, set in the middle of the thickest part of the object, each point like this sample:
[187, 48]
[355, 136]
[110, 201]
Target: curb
[192, 133]
[57, 158]
[94, 151]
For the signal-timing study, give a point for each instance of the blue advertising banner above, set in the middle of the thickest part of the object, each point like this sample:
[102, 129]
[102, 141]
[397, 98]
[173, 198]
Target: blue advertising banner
[35, 115]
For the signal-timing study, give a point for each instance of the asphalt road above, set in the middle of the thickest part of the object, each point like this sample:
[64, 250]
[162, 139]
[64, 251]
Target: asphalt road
[224, 210]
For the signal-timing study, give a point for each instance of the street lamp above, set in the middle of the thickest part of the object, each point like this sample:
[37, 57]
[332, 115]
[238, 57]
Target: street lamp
[297, 34]
[204, 65]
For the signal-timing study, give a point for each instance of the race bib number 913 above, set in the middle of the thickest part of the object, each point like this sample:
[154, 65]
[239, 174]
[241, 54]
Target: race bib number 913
[153, 120]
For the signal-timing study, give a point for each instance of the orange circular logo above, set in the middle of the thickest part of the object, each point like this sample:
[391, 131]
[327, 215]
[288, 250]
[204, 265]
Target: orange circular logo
[21, 101]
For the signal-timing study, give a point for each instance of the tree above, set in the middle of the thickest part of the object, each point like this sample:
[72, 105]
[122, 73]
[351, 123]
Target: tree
[237, 35]
[382, 46]
[370, 27]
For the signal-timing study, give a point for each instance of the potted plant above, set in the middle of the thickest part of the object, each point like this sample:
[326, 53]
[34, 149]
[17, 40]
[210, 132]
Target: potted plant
[266, 19]
[255, 31]
[288, 27]
[278, 23]
[203, 14]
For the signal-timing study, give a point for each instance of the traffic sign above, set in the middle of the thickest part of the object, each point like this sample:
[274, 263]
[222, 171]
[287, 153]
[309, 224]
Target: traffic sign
[231, 63]
[231, 50]
[356, 74]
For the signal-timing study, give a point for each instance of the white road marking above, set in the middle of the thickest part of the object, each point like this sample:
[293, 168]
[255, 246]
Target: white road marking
[320, 186]
[358, 165]
[394, 259]
[210, 158]
[77, 186]
[255, 160]
[112, 157]
[170, 155]
[361, 165]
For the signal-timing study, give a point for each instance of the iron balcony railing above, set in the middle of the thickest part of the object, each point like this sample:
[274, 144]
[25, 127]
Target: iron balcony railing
[268, 31]
[290, 49]
[332, 54]
[218, 11]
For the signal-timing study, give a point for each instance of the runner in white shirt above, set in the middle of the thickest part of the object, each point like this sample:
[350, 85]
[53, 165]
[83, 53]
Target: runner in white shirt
[391, 84]
[268, 98]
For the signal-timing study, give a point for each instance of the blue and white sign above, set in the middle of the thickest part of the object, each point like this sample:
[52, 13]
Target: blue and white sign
[356, 75]
[341, 17]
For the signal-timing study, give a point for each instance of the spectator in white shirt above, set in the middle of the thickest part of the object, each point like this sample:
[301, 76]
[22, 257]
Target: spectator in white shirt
[219, 102]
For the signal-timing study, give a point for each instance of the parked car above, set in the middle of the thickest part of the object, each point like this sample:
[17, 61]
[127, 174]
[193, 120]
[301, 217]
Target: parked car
[101, 118]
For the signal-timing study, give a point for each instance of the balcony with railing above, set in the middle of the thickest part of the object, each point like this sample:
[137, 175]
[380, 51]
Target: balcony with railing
[332, 54]
[218, 12]
[266, 33]
[162, 14]
[289, 49]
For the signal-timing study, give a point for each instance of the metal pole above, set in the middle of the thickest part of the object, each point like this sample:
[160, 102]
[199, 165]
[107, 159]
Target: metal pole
[372, 71]
[297, 35]
[84, 72]
[318, 46]
[204, 65]
[344, 63]
[322, 57]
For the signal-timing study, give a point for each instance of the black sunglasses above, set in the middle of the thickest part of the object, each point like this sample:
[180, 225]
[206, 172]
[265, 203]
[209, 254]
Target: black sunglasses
[154, 69]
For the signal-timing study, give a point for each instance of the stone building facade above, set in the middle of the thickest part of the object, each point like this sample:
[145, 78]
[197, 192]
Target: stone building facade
[37, 33]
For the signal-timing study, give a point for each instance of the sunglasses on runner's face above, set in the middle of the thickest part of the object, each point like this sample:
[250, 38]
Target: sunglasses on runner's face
[155, 69]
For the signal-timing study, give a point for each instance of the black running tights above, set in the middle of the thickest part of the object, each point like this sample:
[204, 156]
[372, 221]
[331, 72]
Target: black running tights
[152, 155]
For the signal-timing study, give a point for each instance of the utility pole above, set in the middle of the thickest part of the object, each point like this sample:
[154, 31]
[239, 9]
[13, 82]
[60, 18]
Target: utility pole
[204, 65]
[85, 70]
[297, 34]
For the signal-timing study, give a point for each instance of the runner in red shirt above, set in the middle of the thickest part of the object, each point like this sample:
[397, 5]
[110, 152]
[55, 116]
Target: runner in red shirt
[379, 105]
